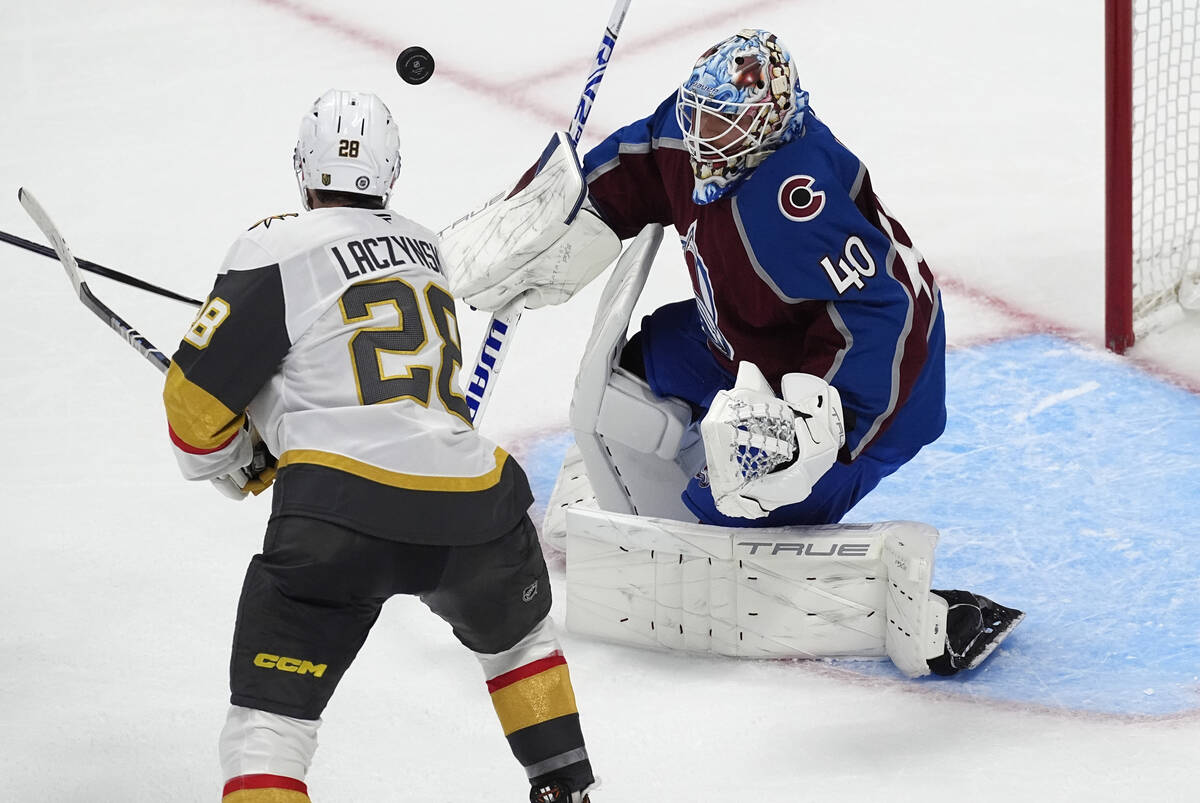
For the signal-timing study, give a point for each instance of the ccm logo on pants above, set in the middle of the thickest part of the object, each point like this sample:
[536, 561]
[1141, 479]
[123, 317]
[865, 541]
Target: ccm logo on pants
[268, 661]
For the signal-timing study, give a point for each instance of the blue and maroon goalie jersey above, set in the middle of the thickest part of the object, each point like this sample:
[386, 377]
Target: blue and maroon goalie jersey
[800, 267]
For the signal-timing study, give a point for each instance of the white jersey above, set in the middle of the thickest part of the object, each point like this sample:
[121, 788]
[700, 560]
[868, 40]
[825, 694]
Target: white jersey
[333, 330]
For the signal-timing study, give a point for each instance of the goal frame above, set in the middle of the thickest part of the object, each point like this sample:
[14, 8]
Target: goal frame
[1118, 207]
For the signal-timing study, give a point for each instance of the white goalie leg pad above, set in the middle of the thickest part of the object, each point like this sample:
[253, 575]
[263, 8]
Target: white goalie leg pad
[577, 476]
[626, 579]
[257, 742]
[648, 450]
[572, 488]
[638, 449]
[771, 592]
[642, 454]
[916, 618]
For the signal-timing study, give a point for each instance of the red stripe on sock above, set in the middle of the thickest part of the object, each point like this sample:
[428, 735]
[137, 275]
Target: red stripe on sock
[526, 671]
[264, 782]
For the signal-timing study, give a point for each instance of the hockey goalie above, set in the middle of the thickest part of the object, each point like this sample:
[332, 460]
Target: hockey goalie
[643, 568]
[718, 447]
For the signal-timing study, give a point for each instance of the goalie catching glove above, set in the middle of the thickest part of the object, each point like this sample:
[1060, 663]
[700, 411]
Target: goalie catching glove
[765, 452]
[540, 240]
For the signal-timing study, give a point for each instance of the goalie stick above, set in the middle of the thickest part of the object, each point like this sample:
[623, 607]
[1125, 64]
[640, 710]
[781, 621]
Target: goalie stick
[504, 321]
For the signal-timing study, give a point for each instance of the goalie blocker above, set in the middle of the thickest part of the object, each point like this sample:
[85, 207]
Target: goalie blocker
[540, 241]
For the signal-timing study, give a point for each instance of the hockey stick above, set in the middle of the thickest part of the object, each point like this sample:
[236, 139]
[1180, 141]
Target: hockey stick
[99, 270]
[504, 320]
[228, 484]
[114, 321]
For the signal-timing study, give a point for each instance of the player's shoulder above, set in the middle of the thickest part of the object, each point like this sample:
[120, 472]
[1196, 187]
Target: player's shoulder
[266, 222]
[815, 152]
[298, 231]
[809, 180]
[401, 221]
[797, 208]
[658, 129]
[266, 233]
[273, 240]
[288, 241]
[665, 119]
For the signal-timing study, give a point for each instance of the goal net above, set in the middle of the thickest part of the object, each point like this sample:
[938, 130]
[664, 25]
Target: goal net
[1153, 144]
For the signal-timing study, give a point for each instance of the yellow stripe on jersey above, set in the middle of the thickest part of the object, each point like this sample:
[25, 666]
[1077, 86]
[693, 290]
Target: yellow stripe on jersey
[533, 700]
[195, 415]
[396, 479]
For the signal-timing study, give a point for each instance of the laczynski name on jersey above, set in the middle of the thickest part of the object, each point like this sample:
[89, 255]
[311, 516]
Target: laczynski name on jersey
[363, 257]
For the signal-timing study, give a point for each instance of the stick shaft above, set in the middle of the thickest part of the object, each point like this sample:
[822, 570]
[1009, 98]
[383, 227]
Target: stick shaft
[99, 270]
[600, 64]
[504, 321]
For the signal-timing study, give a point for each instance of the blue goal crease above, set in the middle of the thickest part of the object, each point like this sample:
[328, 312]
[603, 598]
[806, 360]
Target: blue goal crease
[1065, 485]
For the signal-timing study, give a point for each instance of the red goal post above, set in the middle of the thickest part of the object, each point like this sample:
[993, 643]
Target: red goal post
[1152, 149]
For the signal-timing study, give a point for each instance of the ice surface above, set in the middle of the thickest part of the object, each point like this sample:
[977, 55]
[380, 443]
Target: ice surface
[1066, 504]
[154, 133]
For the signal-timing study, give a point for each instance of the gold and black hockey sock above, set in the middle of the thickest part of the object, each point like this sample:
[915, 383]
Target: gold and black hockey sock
[536, 707]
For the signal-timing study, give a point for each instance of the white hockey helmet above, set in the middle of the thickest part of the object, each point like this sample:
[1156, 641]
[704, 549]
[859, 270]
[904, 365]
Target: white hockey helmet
[348, 142]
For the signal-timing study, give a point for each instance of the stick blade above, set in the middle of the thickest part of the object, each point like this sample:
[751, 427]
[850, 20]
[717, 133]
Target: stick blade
[39, 216]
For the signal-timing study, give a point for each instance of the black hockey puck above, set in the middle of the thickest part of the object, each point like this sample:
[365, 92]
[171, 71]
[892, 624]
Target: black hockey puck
[414, 64]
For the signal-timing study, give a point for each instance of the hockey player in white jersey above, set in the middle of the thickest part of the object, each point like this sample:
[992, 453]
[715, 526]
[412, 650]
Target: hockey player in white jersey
[325, 361]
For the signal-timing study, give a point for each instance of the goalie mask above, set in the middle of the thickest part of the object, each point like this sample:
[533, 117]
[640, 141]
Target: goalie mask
[741, 102]
[348, 142]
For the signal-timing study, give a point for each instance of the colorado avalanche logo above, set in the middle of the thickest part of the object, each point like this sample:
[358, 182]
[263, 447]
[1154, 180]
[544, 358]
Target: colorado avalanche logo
[798, 201]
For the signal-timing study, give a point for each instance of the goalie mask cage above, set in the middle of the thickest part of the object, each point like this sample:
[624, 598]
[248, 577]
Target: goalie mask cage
[1152, 211]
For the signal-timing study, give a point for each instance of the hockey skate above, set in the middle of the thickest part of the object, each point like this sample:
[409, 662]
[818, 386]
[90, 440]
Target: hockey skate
[556, 792]
[975, 626]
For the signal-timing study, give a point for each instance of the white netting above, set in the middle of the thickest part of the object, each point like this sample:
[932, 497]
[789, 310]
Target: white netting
[1166, 157]
[761, 441]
